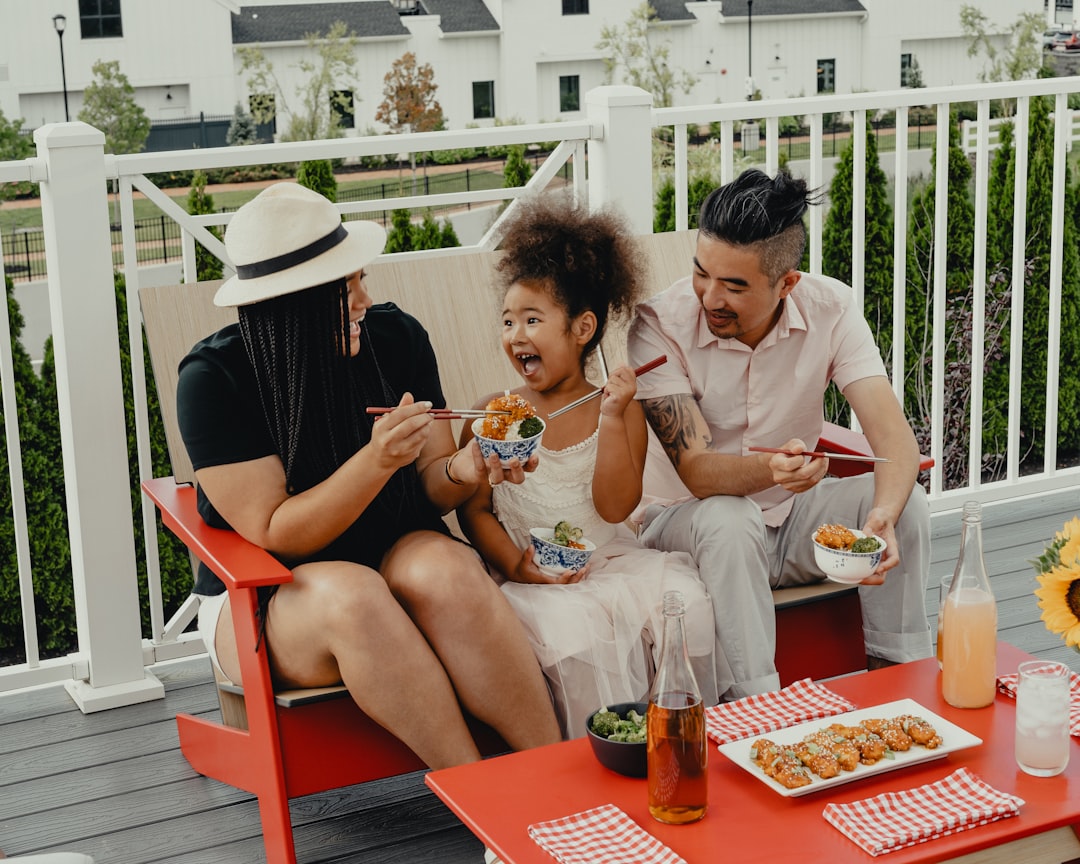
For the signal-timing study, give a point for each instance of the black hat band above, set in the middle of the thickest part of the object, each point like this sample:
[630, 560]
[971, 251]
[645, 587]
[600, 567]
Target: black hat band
[291, 259]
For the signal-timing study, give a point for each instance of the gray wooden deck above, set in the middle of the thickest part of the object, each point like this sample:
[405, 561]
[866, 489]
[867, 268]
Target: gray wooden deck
[114, 784]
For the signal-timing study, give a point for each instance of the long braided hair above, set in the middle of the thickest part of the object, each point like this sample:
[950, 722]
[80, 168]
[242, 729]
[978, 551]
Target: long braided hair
[313, 393]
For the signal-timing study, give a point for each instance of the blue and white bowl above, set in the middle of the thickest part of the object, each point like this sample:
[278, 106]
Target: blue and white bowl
[849, 568]
[554, 559]
[521, 449]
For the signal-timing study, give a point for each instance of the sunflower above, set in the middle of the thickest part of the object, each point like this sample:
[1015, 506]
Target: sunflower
[1058, 570]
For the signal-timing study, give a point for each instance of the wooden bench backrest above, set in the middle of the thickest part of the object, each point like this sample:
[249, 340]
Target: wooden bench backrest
[175, 318]
[669, 256]
[452, 296]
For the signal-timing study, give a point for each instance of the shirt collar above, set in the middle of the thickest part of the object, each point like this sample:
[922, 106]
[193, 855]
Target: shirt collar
[791, 318]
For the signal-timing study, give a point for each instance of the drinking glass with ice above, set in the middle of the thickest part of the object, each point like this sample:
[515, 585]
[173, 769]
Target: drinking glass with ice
[1042, 718]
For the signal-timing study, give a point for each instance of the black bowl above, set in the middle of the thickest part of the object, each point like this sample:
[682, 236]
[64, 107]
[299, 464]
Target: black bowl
[622, 757]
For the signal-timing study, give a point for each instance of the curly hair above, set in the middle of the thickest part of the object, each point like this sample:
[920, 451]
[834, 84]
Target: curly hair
[588, 261]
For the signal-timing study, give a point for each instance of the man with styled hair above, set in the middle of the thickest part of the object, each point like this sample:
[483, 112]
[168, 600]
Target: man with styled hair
[752, 344]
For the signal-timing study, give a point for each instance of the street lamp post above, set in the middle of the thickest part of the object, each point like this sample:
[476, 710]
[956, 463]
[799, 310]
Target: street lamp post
[60, 23]
[749, 50]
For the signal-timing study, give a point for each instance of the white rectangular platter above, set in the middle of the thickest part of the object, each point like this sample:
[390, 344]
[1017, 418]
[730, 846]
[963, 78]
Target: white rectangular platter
[952, 736]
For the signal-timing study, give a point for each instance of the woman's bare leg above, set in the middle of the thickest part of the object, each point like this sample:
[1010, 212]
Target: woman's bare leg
[338, 622]
[476, 635]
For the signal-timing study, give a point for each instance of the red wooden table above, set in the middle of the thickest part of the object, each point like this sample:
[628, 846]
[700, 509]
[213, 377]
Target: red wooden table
[749, 822]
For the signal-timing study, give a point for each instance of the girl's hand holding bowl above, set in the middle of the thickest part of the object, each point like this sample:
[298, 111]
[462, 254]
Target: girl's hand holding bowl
[507, 450]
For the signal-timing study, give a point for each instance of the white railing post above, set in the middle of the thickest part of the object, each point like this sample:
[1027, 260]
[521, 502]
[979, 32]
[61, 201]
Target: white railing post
[82, 303]
[620, 163]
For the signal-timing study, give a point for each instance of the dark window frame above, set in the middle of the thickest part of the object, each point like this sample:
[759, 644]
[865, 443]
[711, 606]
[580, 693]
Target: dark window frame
[100, 19]
[905, 69]
[483, 96]
[826, 75]
[575, 7]
[345, 119]
[271, 99]
[569, 93]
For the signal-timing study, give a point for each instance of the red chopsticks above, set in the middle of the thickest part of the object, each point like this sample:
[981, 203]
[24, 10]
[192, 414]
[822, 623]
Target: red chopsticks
[468, 413]
[641, 370]
[446, 413]
[815, 454]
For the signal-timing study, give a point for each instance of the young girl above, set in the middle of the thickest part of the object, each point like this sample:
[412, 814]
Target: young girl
[596, 631]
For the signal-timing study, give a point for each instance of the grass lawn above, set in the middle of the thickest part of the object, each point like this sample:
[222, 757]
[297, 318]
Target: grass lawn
[13, 218]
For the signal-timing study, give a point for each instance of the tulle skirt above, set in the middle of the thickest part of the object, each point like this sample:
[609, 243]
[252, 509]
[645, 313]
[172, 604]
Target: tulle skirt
[598, 640]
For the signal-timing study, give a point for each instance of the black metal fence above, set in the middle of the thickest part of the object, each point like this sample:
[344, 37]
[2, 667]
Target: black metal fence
[158, 238]
[204, 130]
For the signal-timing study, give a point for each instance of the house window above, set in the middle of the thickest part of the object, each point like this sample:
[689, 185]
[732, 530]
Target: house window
[263, 108]
[826, 76]
[575, 7]
[905, 70]
[483, 100]
[569, 93]
[100, 19]
[341, 108]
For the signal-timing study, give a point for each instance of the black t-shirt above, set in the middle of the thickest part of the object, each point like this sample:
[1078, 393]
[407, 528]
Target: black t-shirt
[222, 421]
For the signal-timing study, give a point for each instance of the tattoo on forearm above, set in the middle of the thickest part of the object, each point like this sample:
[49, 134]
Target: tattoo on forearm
[673, 422]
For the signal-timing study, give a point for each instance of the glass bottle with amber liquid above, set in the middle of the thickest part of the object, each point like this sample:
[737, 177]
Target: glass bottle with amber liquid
[675, 728]
[969, 638]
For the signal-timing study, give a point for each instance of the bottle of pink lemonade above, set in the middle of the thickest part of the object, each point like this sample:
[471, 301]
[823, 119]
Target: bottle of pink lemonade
[969, 643]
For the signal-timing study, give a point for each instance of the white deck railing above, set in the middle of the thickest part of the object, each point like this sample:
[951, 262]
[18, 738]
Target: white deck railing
[109, 667]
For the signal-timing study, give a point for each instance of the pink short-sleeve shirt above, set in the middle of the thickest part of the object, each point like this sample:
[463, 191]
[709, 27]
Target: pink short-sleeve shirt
[751, 397]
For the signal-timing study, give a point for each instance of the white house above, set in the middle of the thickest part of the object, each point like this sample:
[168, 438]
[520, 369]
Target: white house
[529, 60]
[178, 56]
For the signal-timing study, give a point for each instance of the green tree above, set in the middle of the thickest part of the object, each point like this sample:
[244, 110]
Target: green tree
[915, 79]
[449, 236]
[959, 251]
[1039, 231]
[999, 196]
[43, 491]
[176, 573]
[400, 236]
[516, 170]
[43, 488]
[837, 237]
[14, 145]
[427, 235]
[200, 202]
[643, 61]
[1021, 55]
[664, 205]
[320, 98]
[241, 129]
[878, 236]
[405, 236]
[109, 105]
[318, 175]
[46, 506]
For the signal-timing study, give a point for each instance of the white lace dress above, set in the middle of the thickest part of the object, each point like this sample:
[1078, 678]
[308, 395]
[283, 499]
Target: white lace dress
[598, 640]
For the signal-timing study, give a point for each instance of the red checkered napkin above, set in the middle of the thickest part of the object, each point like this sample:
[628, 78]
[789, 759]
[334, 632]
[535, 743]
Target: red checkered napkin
[1007, 685]
[605, 834]
[754, 715]
[894, 820]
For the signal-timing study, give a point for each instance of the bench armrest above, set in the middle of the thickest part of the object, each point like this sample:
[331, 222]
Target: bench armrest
[238, 563]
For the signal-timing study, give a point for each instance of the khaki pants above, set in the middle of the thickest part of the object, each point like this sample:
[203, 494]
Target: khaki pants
[740, 560]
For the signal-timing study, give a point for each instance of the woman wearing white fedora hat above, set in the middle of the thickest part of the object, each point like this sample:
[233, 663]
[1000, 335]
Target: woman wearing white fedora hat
[272, 412]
